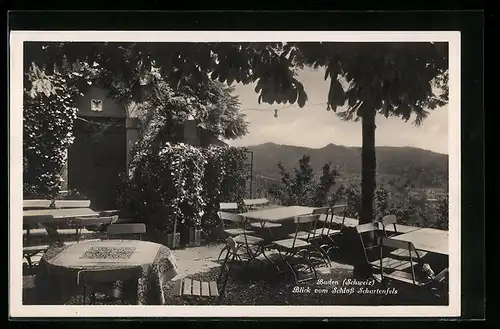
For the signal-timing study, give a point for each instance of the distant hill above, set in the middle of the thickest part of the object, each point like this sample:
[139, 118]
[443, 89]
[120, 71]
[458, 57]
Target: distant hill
[425, 167]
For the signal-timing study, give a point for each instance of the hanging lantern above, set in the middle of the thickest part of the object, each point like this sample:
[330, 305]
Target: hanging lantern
[275, 113]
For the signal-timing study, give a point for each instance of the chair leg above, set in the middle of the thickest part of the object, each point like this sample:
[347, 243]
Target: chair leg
[221, 252]
[28, 259]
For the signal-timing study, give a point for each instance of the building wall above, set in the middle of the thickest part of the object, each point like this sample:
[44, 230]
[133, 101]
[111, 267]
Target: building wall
[111, 107]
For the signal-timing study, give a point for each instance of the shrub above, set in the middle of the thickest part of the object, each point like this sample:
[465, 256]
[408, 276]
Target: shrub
[182, 183]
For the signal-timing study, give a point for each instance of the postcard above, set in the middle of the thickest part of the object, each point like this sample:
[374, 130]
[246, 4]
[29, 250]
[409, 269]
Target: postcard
[234, 174]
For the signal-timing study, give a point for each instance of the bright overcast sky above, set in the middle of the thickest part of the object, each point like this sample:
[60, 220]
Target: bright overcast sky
[313, 126]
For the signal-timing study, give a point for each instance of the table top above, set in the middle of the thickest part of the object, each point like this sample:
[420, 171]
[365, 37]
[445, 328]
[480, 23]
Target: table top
[62, 213]
[278, 214]
[427, 239]
[107, 253]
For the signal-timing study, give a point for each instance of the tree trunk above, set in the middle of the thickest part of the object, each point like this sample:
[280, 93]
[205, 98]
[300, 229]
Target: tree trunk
[368, 166]
[362, 269]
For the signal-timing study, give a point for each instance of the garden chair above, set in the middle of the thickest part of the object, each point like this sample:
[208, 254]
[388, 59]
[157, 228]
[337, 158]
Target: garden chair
[392, 220]
[314, 236]
[72, 203]
[193, 289]
[101, 278]
[405, 273]
[90, 226]
[239, 222]
[387, 221]
[371, 230]
[298, 249]
[126, 230]
[31, 223]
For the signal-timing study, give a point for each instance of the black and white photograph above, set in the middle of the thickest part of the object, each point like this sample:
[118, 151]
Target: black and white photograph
[266, 170]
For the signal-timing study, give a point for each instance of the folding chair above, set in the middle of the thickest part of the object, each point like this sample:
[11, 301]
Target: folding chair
[96, 278]
[90, 225]
[30, 248]
[126, 230]
[189, 289]
[371, 230]
[296, 248]
[387, 221]
[239, 232]
[390, 272]
[327, 232]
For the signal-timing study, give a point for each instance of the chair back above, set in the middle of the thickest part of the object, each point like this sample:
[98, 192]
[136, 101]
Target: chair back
[363, 229]
[389, 220]
[99, 221]
[98, 276]
[232, 218]
[256, 202]
[44, 222]
[307, 221]
[31, 222]
[337, 210]
[397, 244]
[36, 204]
[126, 229]
[72, 203]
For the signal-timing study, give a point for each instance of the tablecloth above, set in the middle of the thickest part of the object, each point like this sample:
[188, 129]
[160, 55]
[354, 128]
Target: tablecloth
[60, 264]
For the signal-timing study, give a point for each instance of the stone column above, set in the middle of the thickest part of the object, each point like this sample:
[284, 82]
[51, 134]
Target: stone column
[132, 126]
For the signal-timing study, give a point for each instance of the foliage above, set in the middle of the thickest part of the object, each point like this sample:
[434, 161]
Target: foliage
[183, 183]
[48, 115]
[224, 179]
[303, 188]
[413, 211]
[443, 214]
[211, 104]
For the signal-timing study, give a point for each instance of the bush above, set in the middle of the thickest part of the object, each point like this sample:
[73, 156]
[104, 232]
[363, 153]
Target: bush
[184, 184]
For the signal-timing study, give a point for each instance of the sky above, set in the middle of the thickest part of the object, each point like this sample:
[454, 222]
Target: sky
[315, 127]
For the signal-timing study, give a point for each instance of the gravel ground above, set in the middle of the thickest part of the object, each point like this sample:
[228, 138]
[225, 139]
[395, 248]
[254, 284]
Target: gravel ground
[261, 284]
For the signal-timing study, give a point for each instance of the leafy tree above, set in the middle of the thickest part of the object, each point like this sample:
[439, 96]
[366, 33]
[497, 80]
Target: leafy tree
[303, 188]
[391, 79]
[49, 112]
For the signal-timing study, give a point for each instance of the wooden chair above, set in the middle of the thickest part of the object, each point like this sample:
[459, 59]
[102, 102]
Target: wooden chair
[36, 204]
[256, 203]
[314, 235]
[386, 222]
[43, 222]
[189, 288]
[72, 203]
[401, 273]
[129, 229]
[97, 277]
[239, 232]
[297, 248]
[372, 230]
[91, 225]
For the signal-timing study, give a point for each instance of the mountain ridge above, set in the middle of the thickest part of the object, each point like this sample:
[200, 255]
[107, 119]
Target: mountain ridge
[407, 161]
